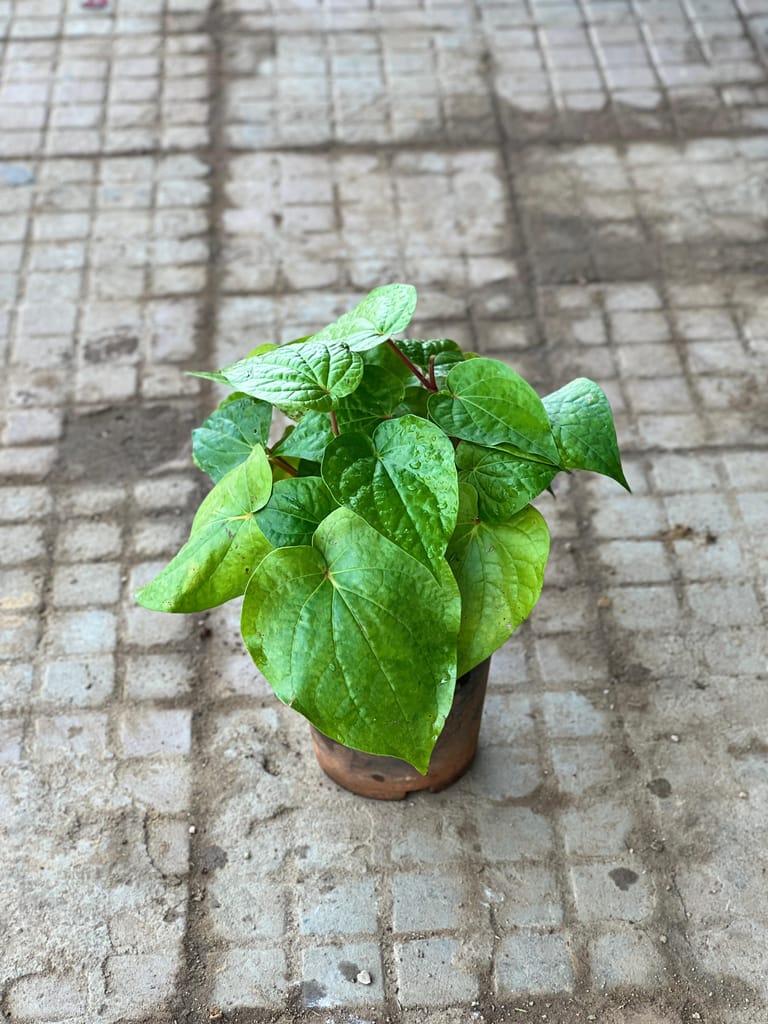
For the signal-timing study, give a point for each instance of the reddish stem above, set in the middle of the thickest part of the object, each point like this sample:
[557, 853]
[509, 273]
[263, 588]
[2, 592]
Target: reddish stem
[334, 423]
[411, 366]
[277, 461]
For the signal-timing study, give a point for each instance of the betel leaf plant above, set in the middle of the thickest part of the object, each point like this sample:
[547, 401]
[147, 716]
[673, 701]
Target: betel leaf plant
[386, 543]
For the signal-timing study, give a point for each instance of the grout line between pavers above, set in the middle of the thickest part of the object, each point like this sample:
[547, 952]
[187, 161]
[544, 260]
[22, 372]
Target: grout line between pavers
[193, 987]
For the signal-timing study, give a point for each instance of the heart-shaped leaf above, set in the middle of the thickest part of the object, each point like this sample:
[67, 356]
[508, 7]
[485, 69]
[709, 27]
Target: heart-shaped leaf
[402, 482]
[294, 511]
[504, 482]
[488, 403]
[377, 396]
[383, 312]
[298, 378]
[308, 439]
[225, 545]
[500, 570]
[582, 423]
[357, 637]
[230, 433]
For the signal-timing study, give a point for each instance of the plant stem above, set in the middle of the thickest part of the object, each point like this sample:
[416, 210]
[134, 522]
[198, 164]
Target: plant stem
[334, 423]
[277, 461]
[432, 373]
[411, 366]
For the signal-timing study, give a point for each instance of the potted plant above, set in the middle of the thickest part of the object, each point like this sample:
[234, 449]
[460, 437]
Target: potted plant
[385, 544]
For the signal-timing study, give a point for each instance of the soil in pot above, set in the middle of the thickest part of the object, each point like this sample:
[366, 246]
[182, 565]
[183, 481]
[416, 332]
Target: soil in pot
[389, 778]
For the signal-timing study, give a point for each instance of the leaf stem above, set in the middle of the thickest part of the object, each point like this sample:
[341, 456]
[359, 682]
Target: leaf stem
[334, 423]
[429, 385]
[432, 380]
[286, 466]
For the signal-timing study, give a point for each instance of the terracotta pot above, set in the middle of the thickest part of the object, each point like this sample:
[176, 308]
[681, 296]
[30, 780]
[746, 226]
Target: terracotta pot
[389, 778]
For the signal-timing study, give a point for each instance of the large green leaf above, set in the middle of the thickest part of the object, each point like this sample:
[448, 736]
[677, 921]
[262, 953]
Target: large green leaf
[488, 403]
[358, 637]
[582, 423]
[229, 434]
[294, 511]
[504, 482]
[298, 378]
[383, 312]
[225, 545]
[500, 570]
[375, 399]
[308, 439]
[402, 482]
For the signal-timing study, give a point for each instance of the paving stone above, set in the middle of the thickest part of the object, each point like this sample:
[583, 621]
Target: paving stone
[242, 910]
[524, 895]
[426, 902]
[601, 829]
[86, 632]
[430, 973]
[158, 676]
[19, 636]
[86, 683]
[24, 503]
[77, 735]
[513, 833]
[168, 845]
[330, 975]
[530, 963]
[16, 681]
[11, 739]
[147, 731]
[503, 772]
[140, 982]
[343, 909]
[89, 541]
[611, 892]
[43, 997]
[250, 978]
[160, 786]
[19, 544]
[87, 583]
[622, 958]
[572, 716]
[581, 765]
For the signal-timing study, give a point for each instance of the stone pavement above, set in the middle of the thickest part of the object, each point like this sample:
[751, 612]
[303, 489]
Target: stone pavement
[577, 186]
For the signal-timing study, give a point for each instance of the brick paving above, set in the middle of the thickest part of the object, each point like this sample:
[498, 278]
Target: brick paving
[576, 187]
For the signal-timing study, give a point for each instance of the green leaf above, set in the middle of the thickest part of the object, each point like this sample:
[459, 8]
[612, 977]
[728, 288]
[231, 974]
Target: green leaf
[225, 545]
[444, 363]
[383, 312]
[357, 637]
[504, 482]
[414, 401]
[488, 403]
[229, 434]
[402, 482]
[500, 570]
[582, 423]
[384, 357]
[308, 439]
[299, 378]
[375, 399]
[420, 350]
[294, 511]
